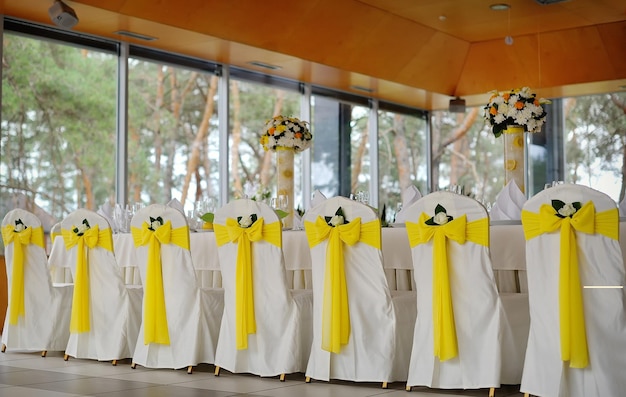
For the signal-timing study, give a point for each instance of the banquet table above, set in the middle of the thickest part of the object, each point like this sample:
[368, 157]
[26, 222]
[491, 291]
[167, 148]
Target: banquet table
[506, 242]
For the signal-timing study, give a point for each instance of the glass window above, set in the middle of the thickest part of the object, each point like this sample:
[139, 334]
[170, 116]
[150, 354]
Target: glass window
[172, 134]
[252, 170]
[402, 158]
[58, 127]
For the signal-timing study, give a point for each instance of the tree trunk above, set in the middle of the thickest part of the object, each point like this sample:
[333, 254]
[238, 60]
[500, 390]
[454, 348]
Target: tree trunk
[357, 161]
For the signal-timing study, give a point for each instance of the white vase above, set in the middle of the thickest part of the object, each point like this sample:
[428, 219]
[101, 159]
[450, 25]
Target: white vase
[284, 182]
[514, 157]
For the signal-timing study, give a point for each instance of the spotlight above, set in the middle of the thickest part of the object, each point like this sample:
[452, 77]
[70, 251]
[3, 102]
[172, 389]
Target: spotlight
[62, 15]
[457, 105]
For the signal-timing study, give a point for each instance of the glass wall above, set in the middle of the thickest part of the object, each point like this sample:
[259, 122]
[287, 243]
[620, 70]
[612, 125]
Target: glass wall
[172, 133]
[58, 139]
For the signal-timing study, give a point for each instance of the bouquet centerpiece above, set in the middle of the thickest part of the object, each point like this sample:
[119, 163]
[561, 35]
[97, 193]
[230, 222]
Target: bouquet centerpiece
[286, 132]
[515, 107]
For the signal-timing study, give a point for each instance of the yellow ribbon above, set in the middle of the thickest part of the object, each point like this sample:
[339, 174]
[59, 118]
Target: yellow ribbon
[459, 230]
[571, 314]
[54, 235]
[92, 237]
[30, 235]
[245, 322]
[155, 328]
[335, 313]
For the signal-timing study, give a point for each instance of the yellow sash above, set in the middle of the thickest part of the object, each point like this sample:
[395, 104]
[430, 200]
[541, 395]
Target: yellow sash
[92, 237]
[571, 315]
[155, 329]
[445, 344]
[335, 313]
[245, 322]
[54, 235]
[30, 235]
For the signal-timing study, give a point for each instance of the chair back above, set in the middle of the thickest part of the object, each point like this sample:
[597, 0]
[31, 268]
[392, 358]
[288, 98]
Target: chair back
[576, 293]
[449, 236]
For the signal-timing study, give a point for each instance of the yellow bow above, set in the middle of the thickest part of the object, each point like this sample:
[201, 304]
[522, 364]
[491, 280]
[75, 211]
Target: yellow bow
[459, 230]
[92, 237]
[20, 240]
[155, 328]
[335, 313]
[571, 315]
[245, 322]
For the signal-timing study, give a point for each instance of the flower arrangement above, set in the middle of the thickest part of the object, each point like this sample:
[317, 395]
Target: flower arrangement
[336, 220]
[441, 217]
[82, 228]
[286, 132]
[565, 210]
[246, 221]
[19, 226]
[155, 223]
[515, 107]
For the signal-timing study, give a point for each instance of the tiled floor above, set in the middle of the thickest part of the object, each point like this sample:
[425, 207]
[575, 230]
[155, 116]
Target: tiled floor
[28, 374]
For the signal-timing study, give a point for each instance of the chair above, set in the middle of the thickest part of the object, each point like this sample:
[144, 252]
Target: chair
[577, 341]
[266, 328]
[106, 314]
[181, 321]
[360, 331]
[38, 314]
[457, 337]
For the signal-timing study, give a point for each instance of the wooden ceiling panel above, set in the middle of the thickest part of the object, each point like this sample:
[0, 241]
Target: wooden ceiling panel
[401, 49]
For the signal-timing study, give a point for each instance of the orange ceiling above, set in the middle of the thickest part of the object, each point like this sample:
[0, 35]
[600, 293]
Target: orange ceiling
[413, 52]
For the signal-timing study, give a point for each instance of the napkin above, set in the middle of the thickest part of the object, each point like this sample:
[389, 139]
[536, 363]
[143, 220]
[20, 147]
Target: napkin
[409, 196]
[106, 210]
[174, 203]
[318, 198]
[622, 207]
[509, 203]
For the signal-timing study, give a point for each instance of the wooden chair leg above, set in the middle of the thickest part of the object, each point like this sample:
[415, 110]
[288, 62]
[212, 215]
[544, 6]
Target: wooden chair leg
[114, 362]
[217, 371]
[526, 395]
[492, 391]
[190, 369]
[384, 385]
[133, 365]
[282, 377]
[4, 348]
[66, 357]
[307, 379]
[43, 353]
[408, 388]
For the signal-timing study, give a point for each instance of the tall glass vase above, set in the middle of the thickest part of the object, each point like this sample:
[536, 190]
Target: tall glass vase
[284, 182]
[514, 156]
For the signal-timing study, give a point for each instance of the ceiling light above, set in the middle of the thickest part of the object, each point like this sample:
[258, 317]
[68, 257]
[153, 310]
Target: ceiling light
[361, 88]
[457, 105]
[62, 15]
[134, 35]
[500, 6]
[264, 65]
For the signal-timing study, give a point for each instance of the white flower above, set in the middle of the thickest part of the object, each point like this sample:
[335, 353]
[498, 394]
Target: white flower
[441, 218]
[337, 220]
[20, 227]
[246, 221]
[82, 228]
[567, 210]
[155, 225]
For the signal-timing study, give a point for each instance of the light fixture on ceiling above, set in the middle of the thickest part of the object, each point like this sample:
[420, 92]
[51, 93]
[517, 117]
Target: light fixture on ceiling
[264, 65]
[548, 2]
[500, 6]
[62, 15]
[134, 35]
[457, 105]
[361, 88]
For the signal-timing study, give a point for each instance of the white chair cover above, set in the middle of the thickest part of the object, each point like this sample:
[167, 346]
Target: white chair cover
[600, 264]
[193, 314]
[476, 306]
[45, 322]
[282, 341]
[114, 308]
[381, 326]
[59, 274]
